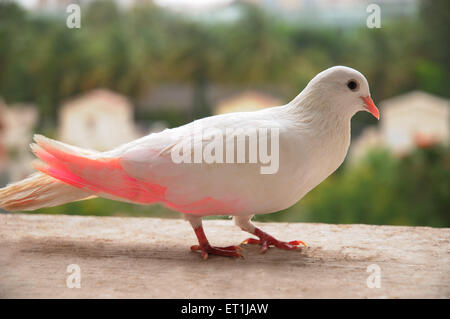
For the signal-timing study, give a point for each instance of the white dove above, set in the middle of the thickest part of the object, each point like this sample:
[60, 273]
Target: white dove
[310, 139]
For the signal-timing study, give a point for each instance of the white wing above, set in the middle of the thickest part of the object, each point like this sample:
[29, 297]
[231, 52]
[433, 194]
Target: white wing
[217, 188]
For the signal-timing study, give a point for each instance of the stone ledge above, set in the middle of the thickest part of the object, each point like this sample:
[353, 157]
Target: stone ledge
[150, 258]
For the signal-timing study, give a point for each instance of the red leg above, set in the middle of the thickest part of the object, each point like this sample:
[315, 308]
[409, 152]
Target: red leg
[206, 248]
[265, 240]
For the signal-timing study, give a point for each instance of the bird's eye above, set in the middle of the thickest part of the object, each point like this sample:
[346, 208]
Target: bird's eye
[352, 85]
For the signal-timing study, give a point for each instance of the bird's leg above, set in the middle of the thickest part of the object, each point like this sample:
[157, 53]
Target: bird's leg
[265, 240]
[203, 244]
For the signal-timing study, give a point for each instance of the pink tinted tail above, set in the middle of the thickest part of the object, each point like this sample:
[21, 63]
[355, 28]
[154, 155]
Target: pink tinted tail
[102, 176]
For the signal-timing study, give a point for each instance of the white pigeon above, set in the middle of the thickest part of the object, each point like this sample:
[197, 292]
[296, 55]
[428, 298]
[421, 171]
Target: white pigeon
[311, 136]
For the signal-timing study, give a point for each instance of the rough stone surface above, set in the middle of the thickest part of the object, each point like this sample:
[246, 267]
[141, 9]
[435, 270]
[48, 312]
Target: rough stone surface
[150, 258]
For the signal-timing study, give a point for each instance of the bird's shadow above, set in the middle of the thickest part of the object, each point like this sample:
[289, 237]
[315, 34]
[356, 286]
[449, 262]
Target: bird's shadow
[99, 249]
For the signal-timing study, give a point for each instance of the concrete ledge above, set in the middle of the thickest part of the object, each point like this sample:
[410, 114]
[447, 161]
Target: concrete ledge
[150, 258]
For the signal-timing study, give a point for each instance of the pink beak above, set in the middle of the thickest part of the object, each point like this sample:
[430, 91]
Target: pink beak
[370, 106]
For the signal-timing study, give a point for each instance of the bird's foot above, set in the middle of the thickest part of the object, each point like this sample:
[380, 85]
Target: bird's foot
[266, 241]
[229, 251]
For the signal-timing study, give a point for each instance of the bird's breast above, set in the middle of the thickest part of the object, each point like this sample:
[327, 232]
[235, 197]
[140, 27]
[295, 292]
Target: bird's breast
[311, 162]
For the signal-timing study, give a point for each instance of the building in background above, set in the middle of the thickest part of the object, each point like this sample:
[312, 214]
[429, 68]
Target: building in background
[17, 123]
[246, 101]
[99, 120]
[415, 119]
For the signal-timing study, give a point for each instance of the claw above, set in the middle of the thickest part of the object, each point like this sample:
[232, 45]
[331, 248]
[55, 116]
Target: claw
[264, 248]
[266, 241]
[251, 241]
[204, 255]
[298, 242]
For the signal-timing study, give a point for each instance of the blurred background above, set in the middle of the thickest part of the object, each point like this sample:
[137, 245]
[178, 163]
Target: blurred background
[136, 67]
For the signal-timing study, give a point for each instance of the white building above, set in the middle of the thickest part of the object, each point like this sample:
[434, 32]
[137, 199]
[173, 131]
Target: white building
[407, 121]
[413, 118]
[17, 123]
[99, 120]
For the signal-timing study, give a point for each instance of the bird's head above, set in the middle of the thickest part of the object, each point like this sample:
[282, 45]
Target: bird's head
[343, 90]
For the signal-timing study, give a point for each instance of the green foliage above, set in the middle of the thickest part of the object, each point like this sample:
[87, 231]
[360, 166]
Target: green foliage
[44, 62]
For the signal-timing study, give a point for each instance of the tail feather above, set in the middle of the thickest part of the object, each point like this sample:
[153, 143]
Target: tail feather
[41, 189]
[92, 172]
[37, 191]
[68, 173]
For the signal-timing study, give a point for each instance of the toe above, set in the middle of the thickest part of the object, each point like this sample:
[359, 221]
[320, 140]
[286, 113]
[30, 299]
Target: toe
[231, 248]
[224, 252]
[298, 242]
[286, 246]
[264, 247]
[251, 241]
[204, 255]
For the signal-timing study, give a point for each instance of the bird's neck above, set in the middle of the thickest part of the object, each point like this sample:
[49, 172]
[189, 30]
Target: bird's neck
[310, 109]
